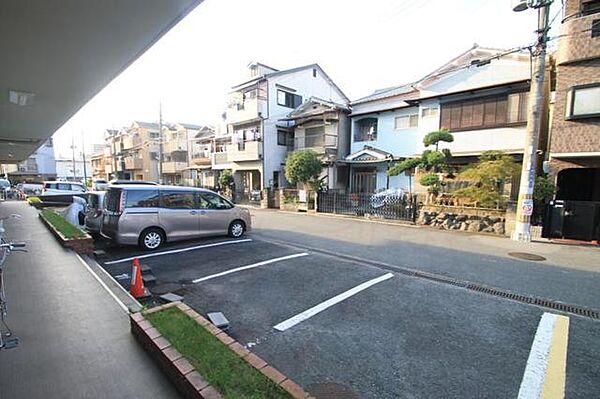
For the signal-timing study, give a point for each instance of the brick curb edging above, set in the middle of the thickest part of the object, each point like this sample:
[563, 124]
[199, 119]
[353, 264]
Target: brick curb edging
[84, 245]
[181, 372]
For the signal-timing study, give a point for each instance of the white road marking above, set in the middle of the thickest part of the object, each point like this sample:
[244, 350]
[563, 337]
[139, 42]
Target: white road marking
[174, 251]
[538, 363]
[299, 318]
[121, 304]
[252, 266]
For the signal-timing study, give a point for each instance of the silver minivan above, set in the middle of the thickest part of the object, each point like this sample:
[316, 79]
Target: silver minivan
[152, 215]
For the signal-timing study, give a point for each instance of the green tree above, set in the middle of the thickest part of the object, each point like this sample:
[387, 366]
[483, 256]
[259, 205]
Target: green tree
[486, 178]
[433, 161]
[225, 178]
[303, 167]
[432, 182]
[434, 138]
[543, 190]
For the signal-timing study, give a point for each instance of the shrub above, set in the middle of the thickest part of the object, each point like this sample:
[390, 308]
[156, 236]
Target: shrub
[486, 178]
[226, 178]
[303, 167]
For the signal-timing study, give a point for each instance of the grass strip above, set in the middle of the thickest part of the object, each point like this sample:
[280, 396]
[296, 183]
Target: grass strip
[34, 200]
[218, 364]
[61, 224]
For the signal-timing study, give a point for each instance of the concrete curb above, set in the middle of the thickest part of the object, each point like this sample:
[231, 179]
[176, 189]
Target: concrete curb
[83, 245]
[184, 376]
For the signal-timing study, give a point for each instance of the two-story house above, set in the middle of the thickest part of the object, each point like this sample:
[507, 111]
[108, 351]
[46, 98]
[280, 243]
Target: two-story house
[260, 138]
[480, 97]
[323, 127]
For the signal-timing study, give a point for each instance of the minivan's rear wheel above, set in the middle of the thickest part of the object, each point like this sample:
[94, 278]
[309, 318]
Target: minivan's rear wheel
[151, 239]
[237, 228]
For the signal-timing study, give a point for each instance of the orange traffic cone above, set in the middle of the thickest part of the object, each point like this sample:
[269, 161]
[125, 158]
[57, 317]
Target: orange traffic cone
[137, 289]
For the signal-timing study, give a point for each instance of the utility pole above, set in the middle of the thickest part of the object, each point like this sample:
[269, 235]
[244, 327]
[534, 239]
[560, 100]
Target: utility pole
[73, 154]
[160, 145]
[83, 156]
[522, 230]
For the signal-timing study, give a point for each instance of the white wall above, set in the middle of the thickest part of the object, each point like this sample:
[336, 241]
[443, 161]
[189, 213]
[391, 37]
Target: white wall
[44, 157]
[64, 169]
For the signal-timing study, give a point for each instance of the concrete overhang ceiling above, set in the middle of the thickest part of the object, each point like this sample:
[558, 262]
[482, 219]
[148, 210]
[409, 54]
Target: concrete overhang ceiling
[57, 54]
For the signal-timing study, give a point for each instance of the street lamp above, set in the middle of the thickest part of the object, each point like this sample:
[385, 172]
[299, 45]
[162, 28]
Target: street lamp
[522, 230]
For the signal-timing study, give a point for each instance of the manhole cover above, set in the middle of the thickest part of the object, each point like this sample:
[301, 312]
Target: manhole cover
[526, 256]
[331, 390]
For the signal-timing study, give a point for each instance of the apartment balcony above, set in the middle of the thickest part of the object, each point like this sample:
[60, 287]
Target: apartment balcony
[248, 110]
[175, 145]
[319, 143]
[244, 151]
[174, 167]
[133, 163]
[131, 142]
[202, 159]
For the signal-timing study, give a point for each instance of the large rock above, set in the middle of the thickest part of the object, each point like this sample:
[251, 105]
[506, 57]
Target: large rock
[499, 228]
[476, 227]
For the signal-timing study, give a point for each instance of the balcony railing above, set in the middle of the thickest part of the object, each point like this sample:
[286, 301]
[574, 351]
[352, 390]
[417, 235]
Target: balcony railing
[247, 110]
[133, 163]
[220, 158]
[316, 142]
[174, 167]
[131, 141]
[202, 158]
[245, 151]
[175, 145]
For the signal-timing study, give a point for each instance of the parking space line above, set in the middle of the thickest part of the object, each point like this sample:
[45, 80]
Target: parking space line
[252, 266]
[299, 318]
[544, 375]
[174, 251]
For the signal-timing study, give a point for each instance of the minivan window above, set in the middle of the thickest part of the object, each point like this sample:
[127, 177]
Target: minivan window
[113, 196]
[141, 199]
[178, 199]
[77, 187]
[213, 201]
[64, 186]
[50, 185]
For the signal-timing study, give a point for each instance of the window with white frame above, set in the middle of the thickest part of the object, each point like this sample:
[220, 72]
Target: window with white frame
[583, 102]
[406, 121]
[429, 112]
[289, 100]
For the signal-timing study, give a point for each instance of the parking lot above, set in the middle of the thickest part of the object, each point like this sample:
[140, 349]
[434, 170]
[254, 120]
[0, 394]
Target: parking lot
[350, 329]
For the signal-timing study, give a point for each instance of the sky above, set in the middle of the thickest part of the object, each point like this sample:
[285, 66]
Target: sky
[362, 45]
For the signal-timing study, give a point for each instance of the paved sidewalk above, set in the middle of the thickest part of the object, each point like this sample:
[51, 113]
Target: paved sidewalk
[75, 339]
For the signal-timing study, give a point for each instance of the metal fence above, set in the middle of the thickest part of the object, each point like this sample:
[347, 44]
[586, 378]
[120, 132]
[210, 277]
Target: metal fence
[382, 206]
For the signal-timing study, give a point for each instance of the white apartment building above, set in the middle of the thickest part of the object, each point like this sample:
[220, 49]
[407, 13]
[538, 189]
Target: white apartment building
[256, 121]
[480, 97]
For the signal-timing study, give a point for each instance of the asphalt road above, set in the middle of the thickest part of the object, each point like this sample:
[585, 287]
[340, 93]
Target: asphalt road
[401, 336]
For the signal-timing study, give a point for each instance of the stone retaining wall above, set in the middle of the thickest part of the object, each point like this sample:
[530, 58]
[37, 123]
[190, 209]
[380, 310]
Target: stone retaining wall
[463, 218]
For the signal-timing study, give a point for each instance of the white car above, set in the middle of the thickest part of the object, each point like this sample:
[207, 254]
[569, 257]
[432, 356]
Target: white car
[99, 185]
[63, 187]
[387, 197]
